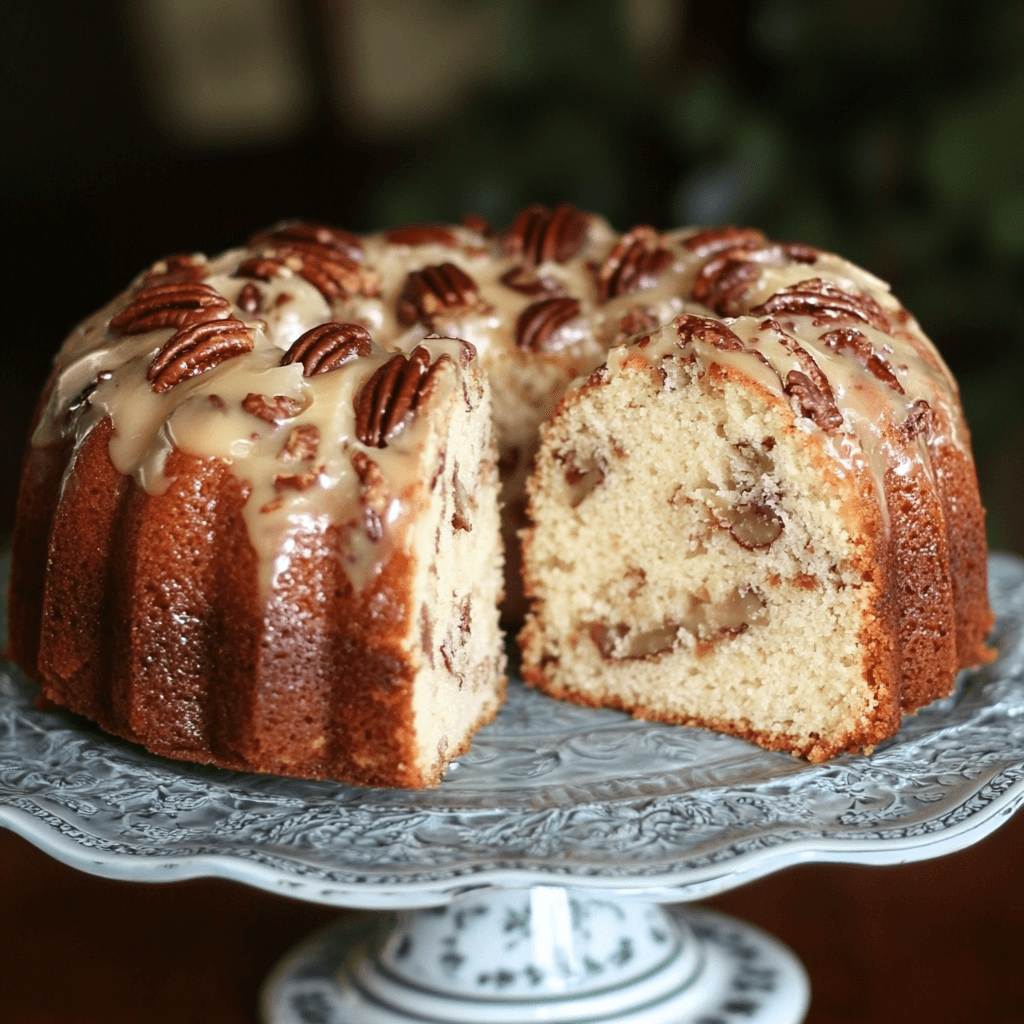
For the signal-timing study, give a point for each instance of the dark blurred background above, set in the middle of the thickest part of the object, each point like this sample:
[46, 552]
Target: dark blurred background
[891, 131]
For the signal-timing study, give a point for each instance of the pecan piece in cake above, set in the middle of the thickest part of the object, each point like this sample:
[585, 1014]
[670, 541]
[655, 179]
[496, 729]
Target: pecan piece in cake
[170, 305]
[423, 234]
[539, 322]
[850, 341]
[920, 420]
[327, 347]
[444, 288]
[462, 517]
[539, 234]
[392, 395]
[271, 410]
[716, 240]
[310, 233]
[634, 264]
[752, 525]
[826, 303]
[703, 328]
[195, 349]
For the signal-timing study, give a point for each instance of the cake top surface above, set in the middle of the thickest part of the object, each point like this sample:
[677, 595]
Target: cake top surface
[260, 356]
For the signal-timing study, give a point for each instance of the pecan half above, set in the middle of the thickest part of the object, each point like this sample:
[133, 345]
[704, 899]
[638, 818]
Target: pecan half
[393, 394]
[193, 350]
[703, 328]
[826, 303]
[271, 410]
[170, 305]
[332, 273]
[539, 234]
[423, 234]
[634, 264]
[307, 232]
[328, 346]
[259, 267]
[724, 279]
[541, 320]
[817, 402]
[850, 341]
[800, 253]
[636, 321]
[528, 282]
[182, 266]
[476, 223]
[715, 240]
[444, 288]
[250, 298]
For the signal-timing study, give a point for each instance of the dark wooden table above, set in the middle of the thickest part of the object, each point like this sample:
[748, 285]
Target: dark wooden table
[937, 941]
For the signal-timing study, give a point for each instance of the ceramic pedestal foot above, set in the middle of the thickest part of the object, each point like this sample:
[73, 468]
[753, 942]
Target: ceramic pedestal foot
[547, 954]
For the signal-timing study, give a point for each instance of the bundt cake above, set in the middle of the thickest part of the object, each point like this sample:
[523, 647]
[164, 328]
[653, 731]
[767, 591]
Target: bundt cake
[762, 518]
[258, 523]
[245, 531]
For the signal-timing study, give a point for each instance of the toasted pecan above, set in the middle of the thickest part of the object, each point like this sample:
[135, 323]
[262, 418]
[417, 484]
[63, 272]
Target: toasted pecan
[328, 346]
[178, 304]
[393, 393]
[541, 320]
[193, 350]
[539, 234]
[444, 288]
[635, 263]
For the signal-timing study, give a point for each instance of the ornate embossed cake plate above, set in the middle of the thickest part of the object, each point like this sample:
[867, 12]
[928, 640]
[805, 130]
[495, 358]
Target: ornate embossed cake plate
[545, 851]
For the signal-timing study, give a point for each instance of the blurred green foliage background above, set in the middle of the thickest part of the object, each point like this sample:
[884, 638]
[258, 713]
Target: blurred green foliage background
[890, 131]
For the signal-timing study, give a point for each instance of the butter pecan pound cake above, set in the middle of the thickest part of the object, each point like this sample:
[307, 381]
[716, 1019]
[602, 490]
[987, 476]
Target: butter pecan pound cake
[249, 536]
[258, 523]
[762, 518]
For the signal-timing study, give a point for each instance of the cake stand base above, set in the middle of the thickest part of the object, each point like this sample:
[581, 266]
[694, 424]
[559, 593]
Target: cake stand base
[546, 954]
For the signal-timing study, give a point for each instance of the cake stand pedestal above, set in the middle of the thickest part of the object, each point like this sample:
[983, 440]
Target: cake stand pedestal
[547, 953]
[530, 885]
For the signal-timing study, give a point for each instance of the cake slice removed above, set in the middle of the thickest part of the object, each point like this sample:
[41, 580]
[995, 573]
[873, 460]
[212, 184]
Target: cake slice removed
[738, 527]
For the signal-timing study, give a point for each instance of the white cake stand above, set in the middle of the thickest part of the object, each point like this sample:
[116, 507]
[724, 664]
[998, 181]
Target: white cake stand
[530, 885]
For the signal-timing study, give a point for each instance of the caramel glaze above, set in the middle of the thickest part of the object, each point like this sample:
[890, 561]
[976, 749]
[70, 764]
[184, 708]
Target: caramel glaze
[135, 657]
